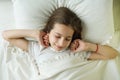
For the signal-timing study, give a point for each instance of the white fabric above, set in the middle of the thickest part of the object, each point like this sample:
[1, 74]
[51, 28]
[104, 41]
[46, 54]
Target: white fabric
[6, 14]
[97, 15]
[16, 64]
[47, 58]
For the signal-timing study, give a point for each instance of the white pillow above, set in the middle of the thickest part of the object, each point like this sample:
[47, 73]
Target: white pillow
[97, 15]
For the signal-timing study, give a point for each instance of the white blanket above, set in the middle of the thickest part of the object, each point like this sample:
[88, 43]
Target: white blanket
[17, 65]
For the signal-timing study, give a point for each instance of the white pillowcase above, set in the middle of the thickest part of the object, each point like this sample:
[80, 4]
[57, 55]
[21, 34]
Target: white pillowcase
[97, 15]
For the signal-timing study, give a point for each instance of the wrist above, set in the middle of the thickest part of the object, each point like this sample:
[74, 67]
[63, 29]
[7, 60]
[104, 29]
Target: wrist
[35, 34]
[92, 47]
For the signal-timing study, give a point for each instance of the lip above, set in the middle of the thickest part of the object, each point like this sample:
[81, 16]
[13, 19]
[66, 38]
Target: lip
[58, 47]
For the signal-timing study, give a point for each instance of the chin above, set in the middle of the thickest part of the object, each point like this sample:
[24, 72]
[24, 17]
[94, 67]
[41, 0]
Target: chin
[58, 49]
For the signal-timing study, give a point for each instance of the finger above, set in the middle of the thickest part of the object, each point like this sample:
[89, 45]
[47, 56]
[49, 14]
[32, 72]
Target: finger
[41, 42]
[46, 42]
[72, 47]
[45, 36]
[77, 44]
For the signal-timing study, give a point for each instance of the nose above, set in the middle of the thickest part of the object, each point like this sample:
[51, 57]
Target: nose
[61, 42]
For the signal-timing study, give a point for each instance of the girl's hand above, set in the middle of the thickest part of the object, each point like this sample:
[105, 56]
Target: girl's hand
[42, 38]
[46, 40]
[78, 45]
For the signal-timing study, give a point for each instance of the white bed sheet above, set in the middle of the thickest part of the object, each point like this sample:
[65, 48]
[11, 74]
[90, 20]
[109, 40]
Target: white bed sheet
[16, 65]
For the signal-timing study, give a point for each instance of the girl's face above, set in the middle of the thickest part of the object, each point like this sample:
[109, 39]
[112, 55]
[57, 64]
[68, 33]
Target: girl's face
[60, 36]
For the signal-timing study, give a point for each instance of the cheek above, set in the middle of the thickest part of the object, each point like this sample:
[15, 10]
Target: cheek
[52, 38]
[68, 44]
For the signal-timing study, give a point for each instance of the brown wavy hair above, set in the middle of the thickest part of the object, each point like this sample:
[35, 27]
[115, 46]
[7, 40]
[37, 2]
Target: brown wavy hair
[63, 15]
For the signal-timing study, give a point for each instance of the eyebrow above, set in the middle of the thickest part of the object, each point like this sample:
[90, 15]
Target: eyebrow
[61, 34]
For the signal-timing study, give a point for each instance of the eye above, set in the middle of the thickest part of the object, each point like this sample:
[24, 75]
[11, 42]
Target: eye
[57, 36]
[67, 39]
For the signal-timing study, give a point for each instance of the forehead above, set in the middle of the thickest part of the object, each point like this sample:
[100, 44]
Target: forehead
[63, 29]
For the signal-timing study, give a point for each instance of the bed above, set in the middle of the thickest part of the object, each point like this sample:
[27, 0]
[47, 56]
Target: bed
[15, 64]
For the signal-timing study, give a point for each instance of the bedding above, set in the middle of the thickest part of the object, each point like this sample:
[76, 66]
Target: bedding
[16, 64]
[7, 19]
[97, 16]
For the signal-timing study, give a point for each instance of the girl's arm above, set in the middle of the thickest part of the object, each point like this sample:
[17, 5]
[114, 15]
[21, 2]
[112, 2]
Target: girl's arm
[16, 37]
[102, 52]
[98, 52]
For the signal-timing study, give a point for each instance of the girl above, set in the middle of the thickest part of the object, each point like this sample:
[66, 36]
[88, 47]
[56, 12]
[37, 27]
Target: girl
[61, 35]
[63, 28]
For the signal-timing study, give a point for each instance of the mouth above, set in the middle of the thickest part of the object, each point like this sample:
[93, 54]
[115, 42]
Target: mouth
[58, 47]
